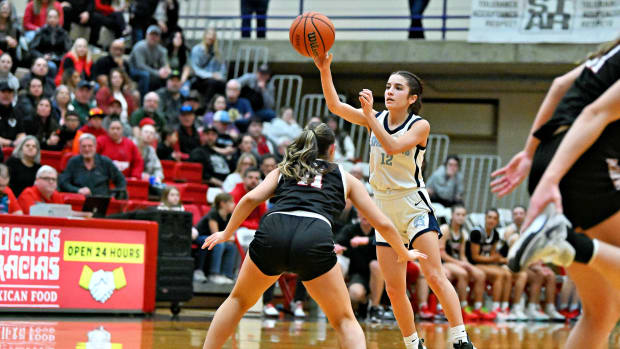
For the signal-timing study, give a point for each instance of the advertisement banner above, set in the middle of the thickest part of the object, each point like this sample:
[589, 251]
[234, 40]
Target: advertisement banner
[537, 21]
[71, 268]
[74, 334]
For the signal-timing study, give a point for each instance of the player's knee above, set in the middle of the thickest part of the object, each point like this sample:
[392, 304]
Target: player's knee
[357, 293]
[435, 278]
[478, 276]
[375, 269]
[395, 289]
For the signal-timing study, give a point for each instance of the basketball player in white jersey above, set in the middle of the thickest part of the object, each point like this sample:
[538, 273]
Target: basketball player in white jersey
[397, 144]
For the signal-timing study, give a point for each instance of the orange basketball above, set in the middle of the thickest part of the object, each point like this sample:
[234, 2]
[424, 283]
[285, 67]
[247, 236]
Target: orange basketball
[312, 34]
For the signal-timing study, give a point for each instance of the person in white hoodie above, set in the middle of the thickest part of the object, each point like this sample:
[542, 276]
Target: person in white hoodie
[284, 127]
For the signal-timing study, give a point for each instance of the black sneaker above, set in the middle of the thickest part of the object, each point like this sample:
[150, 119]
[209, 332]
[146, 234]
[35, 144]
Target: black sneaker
[544, 239]
[375, 313]
[421, 344]
[463, 345]
[388, 314]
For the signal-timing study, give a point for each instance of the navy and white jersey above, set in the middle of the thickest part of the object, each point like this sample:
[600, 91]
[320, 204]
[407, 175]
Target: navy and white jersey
[324, 195]
[453, 243]
[398, 171]
[597, 76]
[484, 240]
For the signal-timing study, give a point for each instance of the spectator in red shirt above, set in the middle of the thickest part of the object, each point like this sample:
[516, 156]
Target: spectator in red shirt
[43, 190]
[8, 202]
[121, 150]
[94, 126]
[35, 16]
[263, 144]
[251, 178]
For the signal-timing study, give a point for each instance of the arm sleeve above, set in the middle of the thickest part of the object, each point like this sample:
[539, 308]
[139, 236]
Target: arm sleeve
[34, 46]
[116, 176]
[28, 17]
[26, 200]
[137, 163]
[140, 61]
[65, 177]
[194, 57]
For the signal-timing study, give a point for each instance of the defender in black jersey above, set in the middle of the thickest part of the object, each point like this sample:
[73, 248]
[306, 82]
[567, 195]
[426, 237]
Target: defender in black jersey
[307, 191]
[574, 155]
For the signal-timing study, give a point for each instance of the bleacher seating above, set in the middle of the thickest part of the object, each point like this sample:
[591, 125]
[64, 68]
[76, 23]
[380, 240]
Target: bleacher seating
[288, 91]
[52, 158]
[313, 104]
[168, 168]
[188, 172]
[249, 58]
[137, 189]
[7, 152]
[192, 193]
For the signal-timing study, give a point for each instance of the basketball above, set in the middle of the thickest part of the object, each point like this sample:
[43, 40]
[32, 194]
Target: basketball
[312, 34]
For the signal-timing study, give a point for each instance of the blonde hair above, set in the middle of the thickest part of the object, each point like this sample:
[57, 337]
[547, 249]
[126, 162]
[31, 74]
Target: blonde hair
[73, 50]
[301, 155]
[604, 48]
[216, 50]
[243, 157]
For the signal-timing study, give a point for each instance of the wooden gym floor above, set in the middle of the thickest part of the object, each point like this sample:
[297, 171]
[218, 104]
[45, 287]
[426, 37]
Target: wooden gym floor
[188, 331]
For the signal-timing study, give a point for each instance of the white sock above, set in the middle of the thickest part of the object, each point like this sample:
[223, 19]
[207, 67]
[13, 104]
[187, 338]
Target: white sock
[457, 333]
[564, 306]
[463, 304]
[439, 307]
[478, 305]
[574, 307]
[505, 305]
[422, 305]
[412, 341]
[495, 305]
[549, 308]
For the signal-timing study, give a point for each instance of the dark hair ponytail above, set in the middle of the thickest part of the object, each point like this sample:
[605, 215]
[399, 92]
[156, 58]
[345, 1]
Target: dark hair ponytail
[301, 155]
[416, 87]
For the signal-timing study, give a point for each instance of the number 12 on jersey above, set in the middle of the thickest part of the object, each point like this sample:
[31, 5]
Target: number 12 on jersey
[386, 159]
[317, 183]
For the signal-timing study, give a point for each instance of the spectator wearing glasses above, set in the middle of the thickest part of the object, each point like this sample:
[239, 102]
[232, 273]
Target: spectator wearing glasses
[24, 164]
[43, 190]
[149, 109]
[90, 173]
[8, 202]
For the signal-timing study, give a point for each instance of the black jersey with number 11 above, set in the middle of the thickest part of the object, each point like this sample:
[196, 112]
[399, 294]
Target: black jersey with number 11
[324, 195]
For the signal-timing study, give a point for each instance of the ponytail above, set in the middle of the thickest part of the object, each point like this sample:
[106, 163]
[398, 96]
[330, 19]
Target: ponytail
[301, 155]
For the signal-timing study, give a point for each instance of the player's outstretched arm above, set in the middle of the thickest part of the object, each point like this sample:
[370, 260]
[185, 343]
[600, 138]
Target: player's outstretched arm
[246, 205]
[585, 131]
[334, 104]
[511, 175]
[362, 201]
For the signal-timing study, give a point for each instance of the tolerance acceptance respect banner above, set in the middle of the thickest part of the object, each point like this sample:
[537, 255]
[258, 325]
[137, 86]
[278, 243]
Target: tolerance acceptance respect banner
[537, 21]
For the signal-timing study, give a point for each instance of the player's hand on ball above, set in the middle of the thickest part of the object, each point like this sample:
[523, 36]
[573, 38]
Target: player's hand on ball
[366, 101]
[214, 239]
[323, 62]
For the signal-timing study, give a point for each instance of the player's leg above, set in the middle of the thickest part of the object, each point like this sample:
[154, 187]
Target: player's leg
[443, 289]
[458, 274]
[249, 287]
[330, 292]
[394, 274]
[601, 309]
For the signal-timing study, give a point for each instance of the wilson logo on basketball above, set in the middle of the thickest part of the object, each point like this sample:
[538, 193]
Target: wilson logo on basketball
[313, 43]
